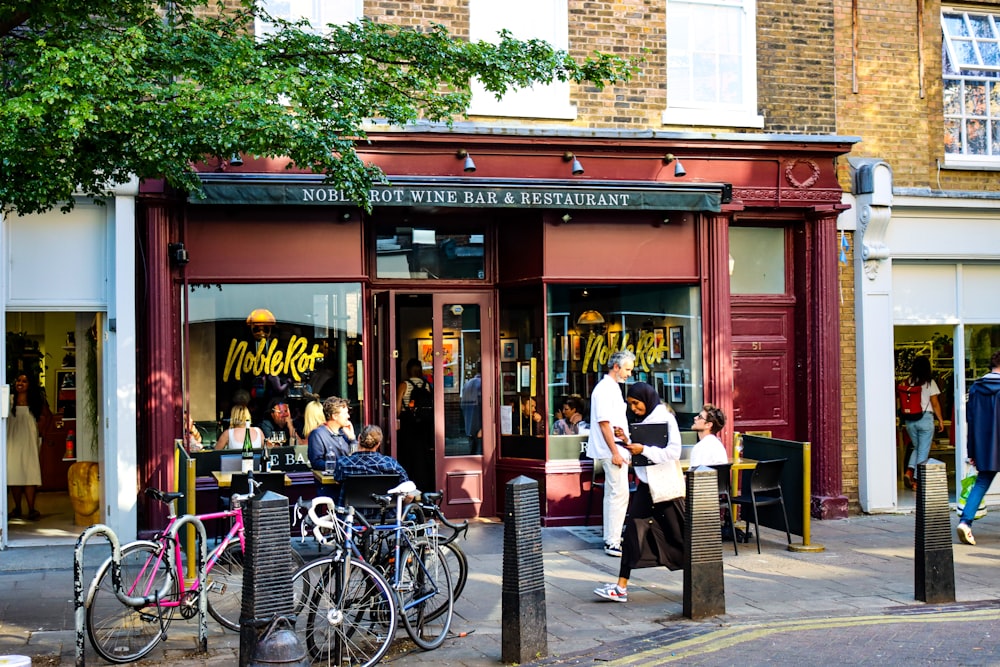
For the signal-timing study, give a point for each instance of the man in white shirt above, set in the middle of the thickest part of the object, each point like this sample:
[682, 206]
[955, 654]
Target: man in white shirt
[607, 423]
[709, 451]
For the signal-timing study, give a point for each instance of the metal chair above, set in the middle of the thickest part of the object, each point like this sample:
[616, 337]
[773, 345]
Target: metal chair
[356, 491]
[724, 472]
[764, 489]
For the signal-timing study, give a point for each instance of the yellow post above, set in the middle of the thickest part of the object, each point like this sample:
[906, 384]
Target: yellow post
[182, 458]
[806, 504]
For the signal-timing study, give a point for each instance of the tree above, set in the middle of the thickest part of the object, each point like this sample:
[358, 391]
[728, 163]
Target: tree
[94, 92]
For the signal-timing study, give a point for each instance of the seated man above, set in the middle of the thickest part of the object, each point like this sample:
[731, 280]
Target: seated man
[278, 427]
[368, 461]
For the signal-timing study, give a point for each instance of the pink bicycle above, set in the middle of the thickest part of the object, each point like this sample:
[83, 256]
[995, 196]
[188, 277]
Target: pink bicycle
[123, 633]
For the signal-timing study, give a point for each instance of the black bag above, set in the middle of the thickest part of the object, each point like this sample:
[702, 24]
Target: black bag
[420, 409]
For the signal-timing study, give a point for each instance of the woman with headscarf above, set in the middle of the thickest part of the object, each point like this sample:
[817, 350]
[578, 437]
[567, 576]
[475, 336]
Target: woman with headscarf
[654, 532]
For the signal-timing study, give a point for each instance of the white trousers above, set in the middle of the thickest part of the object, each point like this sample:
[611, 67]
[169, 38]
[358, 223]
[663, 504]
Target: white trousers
[615, 501]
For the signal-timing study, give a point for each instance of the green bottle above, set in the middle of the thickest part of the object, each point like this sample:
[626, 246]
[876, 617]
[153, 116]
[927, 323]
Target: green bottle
[246, 465]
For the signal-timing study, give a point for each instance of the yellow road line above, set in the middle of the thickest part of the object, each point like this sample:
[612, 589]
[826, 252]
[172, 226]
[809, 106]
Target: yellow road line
[727, 637]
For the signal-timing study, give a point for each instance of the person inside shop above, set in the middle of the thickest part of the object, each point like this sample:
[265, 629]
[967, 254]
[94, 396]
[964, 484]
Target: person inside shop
[192, 435]
[232, 437]
[335, 438]
[351, 386]
[983, 442]
[261, 323]
[607, 411]
[277, 427]
[571, 421]
[531, 419]
[368, 460]
[29, 417]
[471, 401]
[709, 450]
[654, 531]
[312, 417]
[921, 430]
[415, 408]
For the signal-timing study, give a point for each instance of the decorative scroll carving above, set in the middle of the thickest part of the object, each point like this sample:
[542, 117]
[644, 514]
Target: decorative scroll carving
[873, 222]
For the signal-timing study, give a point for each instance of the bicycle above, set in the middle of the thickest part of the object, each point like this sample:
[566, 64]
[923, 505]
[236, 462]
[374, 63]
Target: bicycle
[344, 608]
[405, 552]
[122, 633]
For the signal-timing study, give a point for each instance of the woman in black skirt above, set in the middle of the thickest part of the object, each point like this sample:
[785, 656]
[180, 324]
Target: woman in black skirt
[654, 531]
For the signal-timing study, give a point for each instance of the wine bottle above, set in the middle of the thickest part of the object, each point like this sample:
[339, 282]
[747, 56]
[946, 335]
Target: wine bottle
[246, 464]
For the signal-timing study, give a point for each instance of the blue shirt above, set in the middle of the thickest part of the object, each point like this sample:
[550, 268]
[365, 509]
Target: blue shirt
[324, 445]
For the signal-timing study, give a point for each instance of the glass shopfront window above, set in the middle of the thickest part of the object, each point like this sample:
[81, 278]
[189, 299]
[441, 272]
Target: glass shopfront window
[425, 253]
[256, 343]
[660, 324]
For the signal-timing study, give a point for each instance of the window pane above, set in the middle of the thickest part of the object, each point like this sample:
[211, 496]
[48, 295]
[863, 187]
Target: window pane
[251, 344]
[975, 131]
[713, 58]
[990, 53]
[952, 96]
[758, 260]
[981, 26]
[428, 254]
[952, 135]
[954, 25]
[965, 52]
[660, 324]
[975, 98]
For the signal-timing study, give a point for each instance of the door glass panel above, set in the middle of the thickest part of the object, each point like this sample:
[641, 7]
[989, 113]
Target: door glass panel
[757, 260]
[428, 254]
[462, 379]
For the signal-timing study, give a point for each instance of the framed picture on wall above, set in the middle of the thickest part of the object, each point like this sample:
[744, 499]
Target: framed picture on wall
[659, 338]
[508, 349]
[576, 348]
[509, 380]
[676, 386]
[451, 353]
[662, 384]
[425, 353]
[676, 342]
[613, 338]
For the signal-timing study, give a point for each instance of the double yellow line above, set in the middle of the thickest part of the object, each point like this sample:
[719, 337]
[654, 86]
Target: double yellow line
[724, 638]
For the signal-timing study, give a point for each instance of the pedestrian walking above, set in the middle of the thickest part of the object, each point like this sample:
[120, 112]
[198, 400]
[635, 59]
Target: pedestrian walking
[983, 442]
[607, 412]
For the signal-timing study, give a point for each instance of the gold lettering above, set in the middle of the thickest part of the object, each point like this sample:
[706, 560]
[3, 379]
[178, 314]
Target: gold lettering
[237, 349]
[269, 360]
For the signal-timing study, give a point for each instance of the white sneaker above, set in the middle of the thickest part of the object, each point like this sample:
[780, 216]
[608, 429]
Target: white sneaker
[612, 550]
[612, 592]
[964, 531]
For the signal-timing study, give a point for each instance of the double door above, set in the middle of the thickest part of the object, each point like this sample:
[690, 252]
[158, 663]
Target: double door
[450, 336]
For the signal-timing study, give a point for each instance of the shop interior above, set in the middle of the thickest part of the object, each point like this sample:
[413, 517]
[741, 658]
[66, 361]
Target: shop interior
[60, 352]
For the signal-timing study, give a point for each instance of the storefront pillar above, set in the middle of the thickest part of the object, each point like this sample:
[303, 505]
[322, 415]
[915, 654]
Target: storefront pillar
[161, 376]
[823, 370]
[718, 329]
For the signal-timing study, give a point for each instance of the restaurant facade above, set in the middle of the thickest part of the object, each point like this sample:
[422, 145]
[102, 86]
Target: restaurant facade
[510, 264]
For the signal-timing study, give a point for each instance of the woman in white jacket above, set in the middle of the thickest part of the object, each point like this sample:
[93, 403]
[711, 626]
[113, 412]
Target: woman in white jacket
[654, 531]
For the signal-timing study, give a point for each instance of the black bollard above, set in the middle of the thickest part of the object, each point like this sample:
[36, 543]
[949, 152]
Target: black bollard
[267, 576]
[704, 586]
[934, 560]
[524, 635]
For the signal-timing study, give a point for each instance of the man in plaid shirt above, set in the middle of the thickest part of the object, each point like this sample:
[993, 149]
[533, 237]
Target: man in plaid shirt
[368, 460]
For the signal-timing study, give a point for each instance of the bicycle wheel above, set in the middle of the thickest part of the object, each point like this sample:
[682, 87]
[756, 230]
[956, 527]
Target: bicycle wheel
[425, 600]
[225, 584]
[121, 633]
[458, 566]
[348, 623]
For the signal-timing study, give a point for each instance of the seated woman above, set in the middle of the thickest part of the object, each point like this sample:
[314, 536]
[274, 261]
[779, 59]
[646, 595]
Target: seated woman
[659, 496]
[233, 438]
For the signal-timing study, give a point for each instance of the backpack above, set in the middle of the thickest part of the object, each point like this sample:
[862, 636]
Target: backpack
[420, 409]
[910, 408]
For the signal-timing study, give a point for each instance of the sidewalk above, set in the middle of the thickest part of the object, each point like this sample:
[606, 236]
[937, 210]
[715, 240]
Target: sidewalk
[815, 602]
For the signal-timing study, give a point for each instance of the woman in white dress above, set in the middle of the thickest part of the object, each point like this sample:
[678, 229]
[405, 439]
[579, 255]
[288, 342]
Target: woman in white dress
[24, 472]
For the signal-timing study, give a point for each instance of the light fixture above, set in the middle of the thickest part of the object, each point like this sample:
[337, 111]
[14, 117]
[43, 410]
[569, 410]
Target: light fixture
[178, 254]
[236, 160]
[577, 167]
[566, 217]
[589, 318]
[678, 167]
[470, 166]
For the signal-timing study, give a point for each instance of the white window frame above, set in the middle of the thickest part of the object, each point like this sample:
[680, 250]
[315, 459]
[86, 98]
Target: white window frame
[319, 12]
[486, 19]
[742, 114]
[964, 160]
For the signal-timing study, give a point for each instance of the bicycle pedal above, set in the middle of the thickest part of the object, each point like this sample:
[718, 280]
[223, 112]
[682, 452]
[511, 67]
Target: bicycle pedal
[217, 587]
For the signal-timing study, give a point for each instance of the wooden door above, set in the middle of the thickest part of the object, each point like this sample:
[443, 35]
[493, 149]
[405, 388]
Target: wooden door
[764, 373]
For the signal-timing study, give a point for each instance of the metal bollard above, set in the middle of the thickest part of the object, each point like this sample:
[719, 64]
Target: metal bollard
[267, 576]
[704, 585]
[524, 635]
[934, 560]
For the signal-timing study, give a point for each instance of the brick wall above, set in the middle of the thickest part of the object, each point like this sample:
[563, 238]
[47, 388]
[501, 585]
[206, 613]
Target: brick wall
[848, 381]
